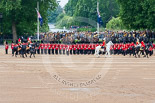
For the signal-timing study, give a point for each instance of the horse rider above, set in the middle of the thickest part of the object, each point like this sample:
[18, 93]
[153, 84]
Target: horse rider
[104, 44]
[142, 45]
[138, 44]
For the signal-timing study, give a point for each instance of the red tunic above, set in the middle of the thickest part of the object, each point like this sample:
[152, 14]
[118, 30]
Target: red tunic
[103, 43]
[12, 45]
[45, 46]
[42, 46]
[57, 47]
[6, 46]
[143, 44]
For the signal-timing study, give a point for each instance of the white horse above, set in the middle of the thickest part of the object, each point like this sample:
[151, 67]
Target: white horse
[98, 49]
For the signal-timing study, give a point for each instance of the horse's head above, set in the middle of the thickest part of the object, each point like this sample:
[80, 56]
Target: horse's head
[110, 42]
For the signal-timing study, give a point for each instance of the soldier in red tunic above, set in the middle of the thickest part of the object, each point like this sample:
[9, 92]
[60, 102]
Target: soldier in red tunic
[42, 47]
[49, 48]
[74, 49]
[64, 48]
[70, 49]
[53, 47]
[6, 48]
[56, 49]
[12, 46]
[78, 48]
[81, 49]
[67, 50]
[85, 49]
[89, 49]
[60, 48]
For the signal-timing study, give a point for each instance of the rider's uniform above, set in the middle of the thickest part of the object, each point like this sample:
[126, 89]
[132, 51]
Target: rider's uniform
[142, 44]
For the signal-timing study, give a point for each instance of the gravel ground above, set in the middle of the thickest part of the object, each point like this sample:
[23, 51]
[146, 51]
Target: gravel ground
[76, 79]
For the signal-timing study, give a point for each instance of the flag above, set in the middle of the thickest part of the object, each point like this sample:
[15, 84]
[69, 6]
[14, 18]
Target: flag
[99, 19]
[40, 18]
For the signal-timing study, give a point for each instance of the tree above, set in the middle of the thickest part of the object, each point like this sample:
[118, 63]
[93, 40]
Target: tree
[21, 15]
[54, 14]
[137, 14]
[88, 9]
[115, 24]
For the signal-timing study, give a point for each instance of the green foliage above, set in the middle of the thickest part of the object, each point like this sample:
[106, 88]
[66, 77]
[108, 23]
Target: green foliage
[115, 24]
[138, 14]
[24, 15]
[70, 7]
[54, 14]
[64, 20]
[88, 9]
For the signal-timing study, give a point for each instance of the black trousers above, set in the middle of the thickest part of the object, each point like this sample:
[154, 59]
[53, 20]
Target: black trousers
[93, 51]
[67, 52]
[49, 51]
[88, 51]
[53, 51]
[35, 51]
[81, 51]
[85, 52]
[45, 51]
[74, 52]
[78, 52]
[6, 51]
[42, 52]
[60, 52]
[56, 52]
[38, 51]
[64, 52]
[71, 52]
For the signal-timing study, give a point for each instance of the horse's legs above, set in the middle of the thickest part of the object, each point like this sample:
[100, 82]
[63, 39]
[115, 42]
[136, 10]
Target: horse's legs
[30, 55]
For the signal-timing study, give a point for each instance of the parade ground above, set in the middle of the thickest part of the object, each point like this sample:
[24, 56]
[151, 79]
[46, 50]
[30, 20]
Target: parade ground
[76, 79]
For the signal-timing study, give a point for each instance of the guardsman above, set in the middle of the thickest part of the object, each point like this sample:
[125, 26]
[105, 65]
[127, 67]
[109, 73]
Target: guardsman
[45, 48]
[6, 48]
[81, 49]
[85, 48]
[38, 47]
[53, 47]
[67, 50]
[64, 48]
[124, 49]
[78, 48]
[70, 49]
[60, 49]
[119, 48]
[12, 46]
[42, 47]
[93, 49]
[49, 48]
[56, 49]
[74, 49]
[89, 49]
[115, 46]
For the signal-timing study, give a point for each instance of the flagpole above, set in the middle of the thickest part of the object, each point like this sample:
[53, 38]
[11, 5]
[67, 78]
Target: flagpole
[38, 22]
[98, 26]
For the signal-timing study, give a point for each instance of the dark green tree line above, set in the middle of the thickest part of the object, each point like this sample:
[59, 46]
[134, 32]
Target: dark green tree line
[137, 14]
[19, 16]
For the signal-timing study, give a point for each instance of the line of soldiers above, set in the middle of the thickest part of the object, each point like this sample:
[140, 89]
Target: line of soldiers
[76, 49]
